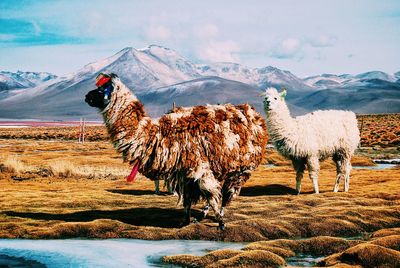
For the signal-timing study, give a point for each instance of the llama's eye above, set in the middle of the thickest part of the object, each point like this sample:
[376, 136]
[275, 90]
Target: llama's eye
[275, 98]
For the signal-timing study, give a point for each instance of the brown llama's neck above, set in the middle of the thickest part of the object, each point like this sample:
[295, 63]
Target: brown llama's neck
[125, 118]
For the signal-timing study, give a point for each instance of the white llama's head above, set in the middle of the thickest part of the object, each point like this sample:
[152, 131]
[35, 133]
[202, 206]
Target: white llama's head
[274, 100]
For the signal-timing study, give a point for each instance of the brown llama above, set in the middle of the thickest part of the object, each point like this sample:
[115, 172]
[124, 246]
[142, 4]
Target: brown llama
[206, 152]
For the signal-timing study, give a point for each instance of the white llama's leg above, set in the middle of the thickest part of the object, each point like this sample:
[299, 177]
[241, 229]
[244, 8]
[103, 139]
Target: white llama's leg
[299, 166]
[347, 164]
[340, 167]
[313, 170]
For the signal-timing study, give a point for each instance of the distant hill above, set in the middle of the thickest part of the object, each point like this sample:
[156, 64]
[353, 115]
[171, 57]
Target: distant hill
[160, 76]
[18, 80]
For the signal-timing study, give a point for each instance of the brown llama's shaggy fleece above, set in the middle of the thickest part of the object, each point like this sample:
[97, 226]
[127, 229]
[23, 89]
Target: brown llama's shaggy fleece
[205, 151]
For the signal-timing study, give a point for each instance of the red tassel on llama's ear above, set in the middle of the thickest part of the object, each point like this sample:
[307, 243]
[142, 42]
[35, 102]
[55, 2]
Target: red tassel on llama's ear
[132, 176]
[102, 79]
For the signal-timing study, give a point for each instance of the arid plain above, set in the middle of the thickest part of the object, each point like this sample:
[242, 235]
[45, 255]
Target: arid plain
[53, 187]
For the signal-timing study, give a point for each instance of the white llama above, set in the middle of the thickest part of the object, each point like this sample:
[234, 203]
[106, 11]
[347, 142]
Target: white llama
[312, 137]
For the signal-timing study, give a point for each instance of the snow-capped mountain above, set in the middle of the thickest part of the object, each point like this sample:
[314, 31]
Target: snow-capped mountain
[260, 77]
[160, 76]
[179, 69]
[231, 71]
[326, 81]
[376, 75]
[201, 91]
[6, 83]
[156, 67]
[271, 76]
[397, 76]
[151, 67]
[18, 80]
[141, 69]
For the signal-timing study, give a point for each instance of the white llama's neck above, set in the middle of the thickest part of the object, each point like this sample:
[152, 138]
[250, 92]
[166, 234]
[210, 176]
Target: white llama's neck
[280, 124]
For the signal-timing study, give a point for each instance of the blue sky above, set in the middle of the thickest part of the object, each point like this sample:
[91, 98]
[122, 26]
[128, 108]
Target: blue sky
[304, 37]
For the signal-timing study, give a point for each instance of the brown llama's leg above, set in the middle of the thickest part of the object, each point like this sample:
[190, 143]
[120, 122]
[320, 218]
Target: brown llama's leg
[204, 211]
[228, 192]
[232, 187]
[187, 211]
[189, 192]
[157, 186]
[214, 204]
[210, 189]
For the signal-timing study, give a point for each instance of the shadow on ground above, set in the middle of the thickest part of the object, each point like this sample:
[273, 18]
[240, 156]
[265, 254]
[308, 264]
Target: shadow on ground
[136, 192]
[271, 189]
[257, 190]
[156, 217]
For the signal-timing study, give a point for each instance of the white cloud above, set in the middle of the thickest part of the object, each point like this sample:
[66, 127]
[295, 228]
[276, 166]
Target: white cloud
[208, 30]
[323, 41]
[288, 48]
[95, 22]
[7, 37]
[36, 28]
[219, 51]
[158, 32]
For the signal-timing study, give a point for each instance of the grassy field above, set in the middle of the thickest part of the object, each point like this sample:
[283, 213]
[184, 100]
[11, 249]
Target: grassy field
[376, 130]
[58, 188]
[379, 130]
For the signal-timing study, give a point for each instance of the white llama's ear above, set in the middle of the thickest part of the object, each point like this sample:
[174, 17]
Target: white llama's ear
[263, 94]
[283, 94]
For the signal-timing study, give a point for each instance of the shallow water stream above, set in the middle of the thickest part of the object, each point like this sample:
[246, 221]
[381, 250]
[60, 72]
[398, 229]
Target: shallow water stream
[100, 253]
[377, 167]
[303, 260]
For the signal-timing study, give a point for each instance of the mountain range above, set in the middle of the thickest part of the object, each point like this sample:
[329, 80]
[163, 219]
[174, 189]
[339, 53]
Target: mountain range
[160, 77]
[10, 80]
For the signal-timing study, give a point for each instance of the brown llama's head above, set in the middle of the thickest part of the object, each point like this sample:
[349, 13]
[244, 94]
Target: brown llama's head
[100, 97]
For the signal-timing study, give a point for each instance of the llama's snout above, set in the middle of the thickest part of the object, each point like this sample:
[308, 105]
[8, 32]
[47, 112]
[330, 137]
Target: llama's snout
[89, 98]
[95, 98]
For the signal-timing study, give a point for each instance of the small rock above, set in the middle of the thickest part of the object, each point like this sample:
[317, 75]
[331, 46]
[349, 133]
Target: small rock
[16, 178]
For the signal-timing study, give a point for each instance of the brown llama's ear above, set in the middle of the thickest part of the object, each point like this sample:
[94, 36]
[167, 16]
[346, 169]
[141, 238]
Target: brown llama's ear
[116, 82]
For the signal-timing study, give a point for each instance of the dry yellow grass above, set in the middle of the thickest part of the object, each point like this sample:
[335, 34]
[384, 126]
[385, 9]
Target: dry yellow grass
[381, 130]
[366, 255]
[95, 200]
[62, 189]
[381, 252]
[229, 258]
